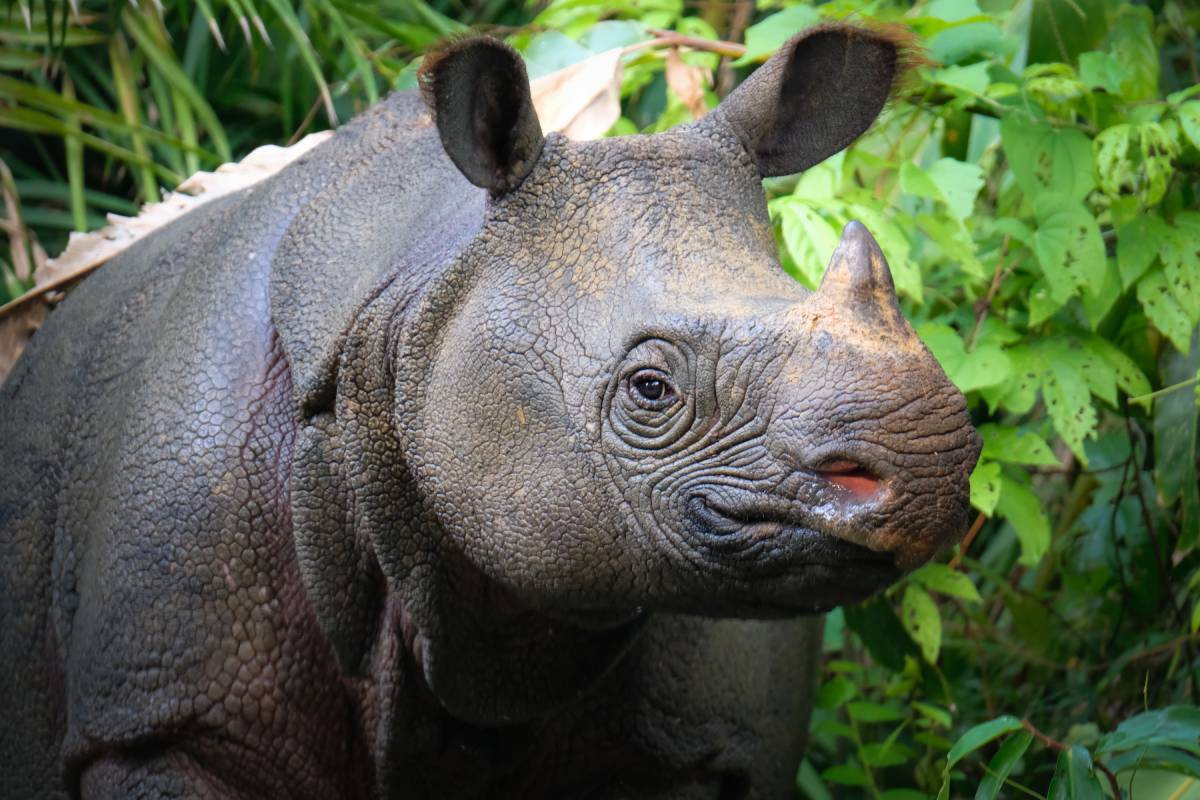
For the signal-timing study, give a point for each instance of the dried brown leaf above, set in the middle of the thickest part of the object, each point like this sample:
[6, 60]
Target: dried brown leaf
[583, 100]
[688, 83]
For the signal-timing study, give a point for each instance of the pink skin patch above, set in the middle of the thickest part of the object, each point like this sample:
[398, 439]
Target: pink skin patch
[852, 478]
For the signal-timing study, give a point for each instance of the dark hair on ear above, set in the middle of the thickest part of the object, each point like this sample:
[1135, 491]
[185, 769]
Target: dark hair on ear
[822, 90]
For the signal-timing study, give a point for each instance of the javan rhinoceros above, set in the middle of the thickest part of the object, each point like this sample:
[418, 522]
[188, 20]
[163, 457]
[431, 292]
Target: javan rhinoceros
[459, 461]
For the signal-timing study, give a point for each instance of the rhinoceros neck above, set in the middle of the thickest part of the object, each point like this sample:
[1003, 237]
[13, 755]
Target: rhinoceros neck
[381, 202]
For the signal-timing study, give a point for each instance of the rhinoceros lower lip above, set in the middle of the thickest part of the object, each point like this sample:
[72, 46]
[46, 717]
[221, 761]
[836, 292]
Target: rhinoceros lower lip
[738, 527]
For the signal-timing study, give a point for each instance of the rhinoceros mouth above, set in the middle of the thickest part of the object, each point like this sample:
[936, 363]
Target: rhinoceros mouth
[771, 539]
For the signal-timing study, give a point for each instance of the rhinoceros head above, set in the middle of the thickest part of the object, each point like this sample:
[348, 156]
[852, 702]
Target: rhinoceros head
[622, 401]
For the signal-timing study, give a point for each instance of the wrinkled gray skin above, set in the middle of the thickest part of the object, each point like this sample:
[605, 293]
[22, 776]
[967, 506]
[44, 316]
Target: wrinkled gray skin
[371, 482]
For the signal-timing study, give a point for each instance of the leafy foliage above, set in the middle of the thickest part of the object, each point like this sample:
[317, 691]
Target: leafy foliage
[1036, 193]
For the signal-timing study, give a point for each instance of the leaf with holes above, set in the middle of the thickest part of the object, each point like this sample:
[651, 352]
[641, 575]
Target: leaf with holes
[921, 619]
[1180, 253]
[985, 487]
[1015, 446]
[1068, 399]
[1127, 373]
[1068, 245]
[1135, 160]
[946, 580]
[1163, 309]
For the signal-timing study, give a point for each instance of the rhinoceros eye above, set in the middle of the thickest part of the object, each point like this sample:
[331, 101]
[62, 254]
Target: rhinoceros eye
[651, 389]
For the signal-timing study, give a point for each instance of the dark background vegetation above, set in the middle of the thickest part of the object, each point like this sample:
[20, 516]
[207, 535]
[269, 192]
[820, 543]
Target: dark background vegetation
[1036, 191]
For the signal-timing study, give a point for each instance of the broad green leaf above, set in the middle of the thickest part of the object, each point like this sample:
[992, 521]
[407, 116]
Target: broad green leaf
[1189, 120]
[1021, 392]
[1046, 159]
[1101, 71]
[986, 365]
[973, 80]
[1135, 160]
[985, 487]
[1098, 299]
[765, 37]
[1132, 45]
[1023, 510]
[1128, 374]
[1074, 778]
[1163, 309]
[809, 238]
[1068, 245]
[956, 44]
[945, 580]
[922, 621]
[1138, 242]
[1015, 446]
[1180, 253]
[1069, 402]
[979, 735]
[958, 182]
[1002, 764]
[917, 181]
[876, 623]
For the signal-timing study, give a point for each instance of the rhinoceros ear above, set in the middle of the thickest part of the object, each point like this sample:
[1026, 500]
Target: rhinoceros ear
[478, 93]
[816, 95]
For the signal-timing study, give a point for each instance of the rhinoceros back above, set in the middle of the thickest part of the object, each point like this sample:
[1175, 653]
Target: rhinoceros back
[146, 571]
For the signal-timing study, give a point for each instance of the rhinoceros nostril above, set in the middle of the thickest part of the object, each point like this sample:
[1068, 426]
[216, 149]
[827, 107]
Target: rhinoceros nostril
[851, 477]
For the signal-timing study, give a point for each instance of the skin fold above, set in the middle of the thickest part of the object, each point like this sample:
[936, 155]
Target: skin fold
[459, 461]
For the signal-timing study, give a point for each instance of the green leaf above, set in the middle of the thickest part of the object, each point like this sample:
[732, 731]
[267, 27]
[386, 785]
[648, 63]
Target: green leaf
[986, 365]
[835, 692]
[1180, 253]
[1101, 71]
[1069, 402]
[1016, 446]
[1046, 159]
[973, 80]
[1068, 245]
[1129, 376]
[1002, 764]
[979, 735]
[944, 580]
[765, 37]
[1138, 242]
[1135, 160]
[1023, 510]
[866, 711]
[958, 183]
[808, 237]
[921, 619]
[902, 794]
[938, 716]
[809, 782]
[1132, 45]
[846, 774]
[985, 487]
[1074, 778]
[1163, 309]
[1189, 120]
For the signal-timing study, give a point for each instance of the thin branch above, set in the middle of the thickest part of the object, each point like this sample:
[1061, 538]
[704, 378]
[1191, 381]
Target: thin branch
[1054, 744]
